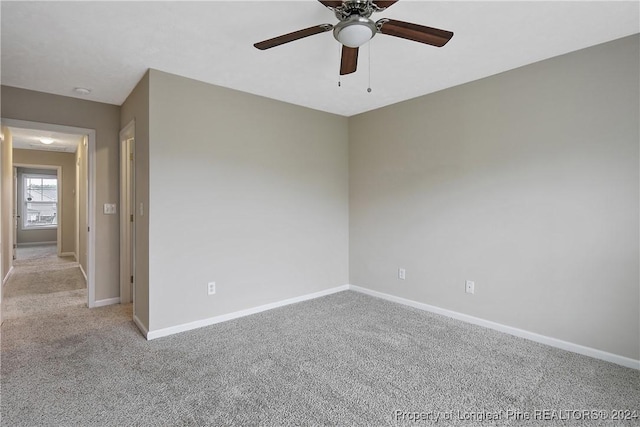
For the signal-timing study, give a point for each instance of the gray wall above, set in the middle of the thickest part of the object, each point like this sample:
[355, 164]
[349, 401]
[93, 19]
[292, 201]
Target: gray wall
[526, 182]
[22, 104]
[136, 107]
[245, 191]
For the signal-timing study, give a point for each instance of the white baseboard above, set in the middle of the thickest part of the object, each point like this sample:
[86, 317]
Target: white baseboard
[532, 336]
[83, 273]
[68, 254]
[9, 273]
[107, 301]
[20, 245]
[143, 329]
[230, 316]
[553, 342]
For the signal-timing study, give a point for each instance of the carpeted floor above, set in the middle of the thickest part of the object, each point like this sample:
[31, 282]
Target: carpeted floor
[42, 282]
[345, 359]
[37, 254]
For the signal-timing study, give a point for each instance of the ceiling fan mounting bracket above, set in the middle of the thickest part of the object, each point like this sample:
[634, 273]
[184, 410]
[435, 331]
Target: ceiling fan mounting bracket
[380, 23]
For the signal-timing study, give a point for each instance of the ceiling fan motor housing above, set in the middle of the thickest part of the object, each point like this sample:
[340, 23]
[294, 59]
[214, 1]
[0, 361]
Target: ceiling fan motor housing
[355, 7]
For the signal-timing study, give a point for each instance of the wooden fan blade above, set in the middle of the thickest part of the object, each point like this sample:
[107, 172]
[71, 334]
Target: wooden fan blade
[383, 4]
[296, 35]
[415, 32]
[331, 3]
[349, 61]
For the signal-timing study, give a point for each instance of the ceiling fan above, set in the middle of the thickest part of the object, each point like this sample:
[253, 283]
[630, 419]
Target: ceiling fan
[355, 29]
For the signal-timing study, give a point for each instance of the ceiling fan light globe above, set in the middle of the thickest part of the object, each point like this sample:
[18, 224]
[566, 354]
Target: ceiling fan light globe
[355, 31]
[354, 35]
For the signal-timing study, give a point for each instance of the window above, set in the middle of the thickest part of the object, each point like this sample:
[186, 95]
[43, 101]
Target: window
[40, 201]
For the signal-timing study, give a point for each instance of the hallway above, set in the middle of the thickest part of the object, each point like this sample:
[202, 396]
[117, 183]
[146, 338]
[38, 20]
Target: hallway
[52, 343]
[41, 284]
[45, 301]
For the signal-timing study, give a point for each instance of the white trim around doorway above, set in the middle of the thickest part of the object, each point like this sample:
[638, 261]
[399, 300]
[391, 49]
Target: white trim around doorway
[91, 189]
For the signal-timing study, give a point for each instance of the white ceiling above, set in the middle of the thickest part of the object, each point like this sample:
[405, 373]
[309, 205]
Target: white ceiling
[29, 139]
[107, 46]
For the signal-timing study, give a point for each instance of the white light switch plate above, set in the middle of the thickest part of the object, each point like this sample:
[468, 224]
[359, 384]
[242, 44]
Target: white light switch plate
[109, 208]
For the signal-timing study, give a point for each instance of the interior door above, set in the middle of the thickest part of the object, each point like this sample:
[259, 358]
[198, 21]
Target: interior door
[131, 206]
[16, 211]
[127, 206]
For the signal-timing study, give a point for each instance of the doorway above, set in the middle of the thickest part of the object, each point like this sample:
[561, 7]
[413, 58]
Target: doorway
[82, 238]
[127, 211]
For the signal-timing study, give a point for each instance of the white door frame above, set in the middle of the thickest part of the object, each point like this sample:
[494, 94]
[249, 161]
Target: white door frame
[91, 190]
[77, 204]
[61, 213]
[127, 210]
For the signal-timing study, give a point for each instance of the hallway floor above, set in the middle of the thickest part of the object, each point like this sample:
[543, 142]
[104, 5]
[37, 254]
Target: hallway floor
[42, 282]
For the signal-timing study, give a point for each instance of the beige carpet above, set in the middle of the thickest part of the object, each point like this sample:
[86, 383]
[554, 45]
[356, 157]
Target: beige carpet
[42, 282]
[35, 254]
[342, 360]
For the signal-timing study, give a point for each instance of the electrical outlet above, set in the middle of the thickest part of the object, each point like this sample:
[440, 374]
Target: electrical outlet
[402, 274]
[211, 288]
[469, 286]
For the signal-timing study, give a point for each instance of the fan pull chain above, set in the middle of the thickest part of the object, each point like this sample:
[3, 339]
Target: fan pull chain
[339, 56]
[369, 88]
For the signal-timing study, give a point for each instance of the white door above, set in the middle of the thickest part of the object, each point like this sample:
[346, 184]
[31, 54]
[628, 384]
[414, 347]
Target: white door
[127, 206]
[16, 211]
